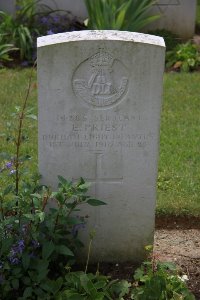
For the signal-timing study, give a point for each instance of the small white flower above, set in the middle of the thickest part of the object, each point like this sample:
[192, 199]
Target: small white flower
[183, 278]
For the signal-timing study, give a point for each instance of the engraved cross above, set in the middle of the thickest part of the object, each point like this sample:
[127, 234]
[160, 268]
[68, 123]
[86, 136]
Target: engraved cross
[98, 177]
[164, 4]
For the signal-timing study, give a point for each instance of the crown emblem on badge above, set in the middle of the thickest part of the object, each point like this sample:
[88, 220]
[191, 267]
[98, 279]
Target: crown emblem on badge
[101, 60]
[96, 81]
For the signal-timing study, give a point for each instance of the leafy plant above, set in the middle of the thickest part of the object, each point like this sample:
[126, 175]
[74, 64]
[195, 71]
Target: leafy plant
[5, 49]
[29, 22]
[185, 57]
[130, 15]
[171, 39]
[19, 30]
[82, 286]
[159, 281]
[37, 238]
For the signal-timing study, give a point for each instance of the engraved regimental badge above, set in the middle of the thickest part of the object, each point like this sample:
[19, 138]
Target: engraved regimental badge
[101, 81]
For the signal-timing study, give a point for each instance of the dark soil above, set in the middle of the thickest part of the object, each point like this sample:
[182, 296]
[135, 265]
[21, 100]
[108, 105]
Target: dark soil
[177, 239]
[177, 222]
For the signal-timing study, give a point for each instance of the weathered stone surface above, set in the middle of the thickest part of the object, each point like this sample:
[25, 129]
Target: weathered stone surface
[99, 113]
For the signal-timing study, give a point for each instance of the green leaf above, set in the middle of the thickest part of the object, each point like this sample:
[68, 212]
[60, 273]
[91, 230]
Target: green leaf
[7, 190]
[52, 286]
[29, 216]
[95, 202]
[71, 295]
[25, 260]
[41, 266]
[41, 215]
[62, 180]
[60, 197]
[5, 155]
[15, 284]
[27, 281]
[84, 186]
[84, 282]
[25, 157]
[6, 245]
[129, 15]
[122, 288]
[47, 249]
[57, 284]
[100, 284]
[47, 286]
[38, 196]
[28, 292]
[33, 117]
[168, 265]
[62, 249]
[139, 273]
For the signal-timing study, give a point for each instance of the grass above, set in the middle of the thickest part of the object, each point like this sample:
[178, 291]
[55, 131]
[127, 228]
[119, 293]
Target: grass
[179, 176]
[198, 12]
[179, 164]
[14, 84]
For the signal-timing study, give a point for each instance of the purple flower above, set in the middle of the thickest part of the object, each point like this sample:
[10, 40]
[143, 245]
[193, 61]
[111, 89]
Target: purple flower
[14, 260]
[32, 255]
[9, 164]
[18, 7]
[12, 172]
[17, 249]
[8, 229]
[34, 55]
[50, 32]
[24, 228]
[76, 228]
[44, 20]
[21, 245]
[25, 63]
[35, 244]
[56, 19]
[9, 226]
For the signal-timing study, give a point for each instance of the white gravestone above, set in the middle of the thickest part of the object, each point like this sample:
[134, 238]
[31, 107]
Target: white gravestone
[99, 113]
[177, 16]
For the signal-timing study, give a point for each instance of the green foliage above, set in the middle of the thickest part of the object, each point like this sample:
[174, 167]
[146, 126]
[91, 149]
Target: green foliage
[5, 49]
[19, 29]
[22, 29]
[38, 240]
[37, 245]
[185, 57]
[179, 176]
[130, 15]
[159, 281]
[79, 285]
[171, 39]
[38, 233]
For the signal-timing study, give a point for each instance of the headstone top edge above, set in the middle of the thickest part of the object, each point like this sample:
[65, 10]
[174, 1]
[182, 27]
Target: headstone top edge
[95, 35]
